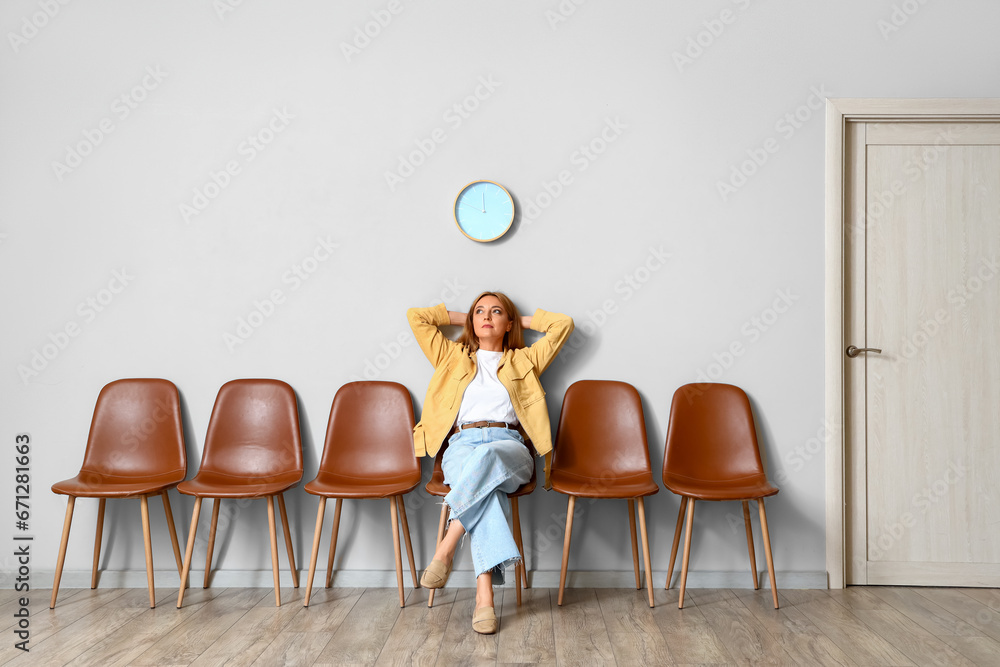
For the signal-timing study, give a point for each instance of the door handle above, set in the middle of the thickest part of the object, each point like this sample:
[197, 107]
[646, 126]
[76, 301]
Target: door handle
[853, 351]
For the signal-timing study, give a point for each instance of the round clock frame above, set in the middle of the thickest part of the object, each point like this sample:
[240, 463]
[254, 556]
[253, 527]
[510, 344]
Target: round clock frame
[477, 212]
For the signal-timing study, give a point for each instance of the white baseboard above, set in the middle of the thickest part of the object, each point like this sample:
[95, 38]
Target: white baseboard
[387, 579]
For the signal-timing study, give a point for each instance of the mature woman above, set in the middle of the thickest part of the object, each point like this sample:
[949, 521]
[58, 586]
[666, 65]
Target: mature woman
[484, 387]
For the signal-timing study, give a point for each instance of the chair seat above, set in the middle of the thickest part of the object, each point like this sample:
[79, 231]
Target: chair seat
[740, 489]
[97, 485]
[621, 486]
[332, 485]
[210, 484]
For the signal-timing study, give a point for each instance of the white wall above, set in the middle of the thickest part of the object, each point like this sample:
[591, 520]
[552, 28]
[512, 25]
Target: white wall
[678, 129]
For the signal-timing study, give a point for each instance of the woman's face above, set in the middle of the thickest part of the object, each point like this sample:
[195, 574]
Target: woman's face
[490, 322]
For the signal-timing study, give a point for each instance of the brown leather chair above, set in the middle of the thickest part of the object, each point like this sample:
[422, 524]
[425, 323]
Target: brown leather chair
[253, 449]
[135, 450]
[601, 452]
[712, 454]
[368, 454]
[437, 487]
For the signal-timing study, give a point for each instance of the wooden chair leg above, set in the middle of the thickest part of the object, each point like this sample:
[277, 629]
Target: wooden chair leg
[148, 542]
[520, 572]
[677, 539]
[635, 546]
[173, 531]
[566, 541]
[394, 519]
[62, 550]
[753, 559]
[687, 552]
[216, 506]
[406, 539]
[274, 550]
[189, 550]
[288, 540]
[315, 550]
[767, 551]
[646, 559]
[333, 541]
[441, 524]
[97, 541]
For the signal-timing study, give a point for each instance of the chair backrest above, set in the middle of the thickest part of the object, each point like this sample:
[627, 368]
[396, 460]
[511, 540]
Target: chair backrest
[602, 431]
[253, 430]
[711, 435]
[136, 431]
[370, 432]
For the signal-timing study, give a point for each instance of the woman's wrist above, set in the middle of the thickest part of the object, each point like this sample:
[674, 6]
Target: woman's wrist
[458, 319]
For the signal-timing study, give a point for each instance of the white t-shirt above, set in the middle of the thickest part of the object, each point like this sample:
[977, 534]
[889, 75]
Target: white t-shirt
[485, 399]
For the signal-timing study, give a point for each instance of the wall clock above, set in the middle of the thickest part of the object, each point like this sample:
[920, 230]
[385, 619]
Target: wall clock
[484, 211]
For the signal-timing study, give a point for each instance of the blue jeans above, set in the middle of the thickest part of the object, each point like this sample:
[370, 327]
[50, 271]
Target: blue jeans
[482, 465]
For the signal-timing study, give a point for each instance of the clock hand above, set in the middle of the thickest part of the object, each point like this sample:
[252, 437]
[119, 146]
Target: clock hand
[484, 200]
[474, 208]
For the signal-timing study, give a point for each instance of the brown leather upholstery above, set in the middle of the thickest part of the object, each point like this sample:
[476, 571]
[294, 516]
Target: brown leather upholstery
[601, 449]
[711, 451]
[368, 453]
[253, 449]
[437, 487]
[601, 452]
[135, 449]
[136, 442]
[712, 454]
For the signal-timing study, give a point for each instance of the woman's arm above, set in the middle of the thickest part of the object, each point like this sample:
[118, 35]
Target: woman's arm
[458, 319]
[557, 328]
[526, 321]
[426, 323]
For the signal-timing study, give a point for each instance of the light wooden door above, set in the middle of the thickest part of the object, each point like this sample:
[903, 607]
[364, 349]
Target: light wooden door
[924, 414]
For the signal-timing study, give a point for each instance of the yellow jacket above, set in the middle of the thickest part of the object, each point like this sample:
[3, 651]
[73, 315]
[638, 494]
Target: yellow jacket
[454, 369]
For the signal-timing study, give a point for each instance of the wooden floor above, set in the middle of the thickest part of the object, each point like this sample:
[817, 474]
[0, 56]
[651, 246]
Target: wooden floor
[345, 626]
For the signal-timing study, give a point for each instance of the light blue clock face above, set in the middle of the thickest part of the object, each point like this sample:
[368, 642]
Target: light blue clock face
[484, 211]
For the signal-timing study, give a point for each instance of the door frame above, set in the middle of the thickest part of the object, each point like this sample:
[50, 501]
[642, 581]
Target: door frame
[840, 111]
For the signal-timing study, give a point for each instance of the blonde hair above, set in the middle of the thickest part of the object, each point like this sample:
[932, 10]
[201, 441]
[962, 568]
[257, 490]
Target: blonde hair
[512, 340]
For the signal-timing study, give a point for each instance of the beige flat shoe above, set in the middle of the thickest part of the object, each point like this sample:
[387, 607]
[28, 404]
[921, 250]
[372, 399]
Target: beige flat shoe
[436, 574]
[484, 621]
